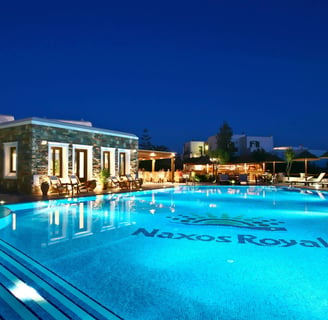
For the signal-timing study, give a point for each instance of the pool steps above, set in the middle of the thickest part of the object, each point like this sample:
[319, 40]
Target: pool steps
[49, 296]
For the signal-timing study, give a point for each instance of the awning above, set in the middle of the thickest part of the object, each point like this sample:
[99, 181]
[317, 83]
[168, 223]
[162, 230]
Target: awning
[154, 155]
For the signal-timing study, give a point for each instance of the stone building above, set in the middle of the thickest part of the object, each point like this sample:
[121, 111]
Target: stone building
[32, 149]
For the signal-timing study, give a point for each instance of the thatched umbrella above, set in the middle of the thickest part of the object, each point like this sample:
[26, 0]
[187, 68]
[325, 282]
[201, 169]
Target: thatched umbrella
[272, 158]
[306, 156]
[324, 156]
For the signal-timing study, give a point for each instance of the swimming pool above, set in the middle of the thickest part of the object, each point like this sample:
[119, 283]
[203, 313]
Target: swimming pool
[189, 252]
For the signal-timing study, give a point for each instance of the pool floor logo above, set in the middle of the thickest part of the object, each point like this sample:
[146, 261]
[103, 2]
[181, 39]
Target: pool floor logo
[226, 221]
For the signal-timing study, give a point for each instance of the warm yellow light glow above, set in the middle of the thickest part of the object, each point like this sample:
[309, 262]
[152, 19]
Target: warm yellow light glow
[281, 148]
[44, 142]
[198, 167]
[2, 202]
[152, 154]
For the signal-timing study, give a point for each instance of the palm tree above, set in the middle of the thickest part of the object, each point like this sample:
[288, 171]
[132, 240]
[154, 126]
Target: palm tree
[289, 157]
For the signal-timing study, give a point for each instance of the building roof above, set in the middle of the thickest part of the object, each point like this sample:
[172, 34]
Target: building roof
[71, 125]
[154, 155]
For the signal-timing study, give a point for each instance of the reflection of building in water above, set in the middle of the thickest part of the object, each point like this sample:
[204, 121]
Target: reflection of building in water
[7, 218]
[57, 226]
[81, 219]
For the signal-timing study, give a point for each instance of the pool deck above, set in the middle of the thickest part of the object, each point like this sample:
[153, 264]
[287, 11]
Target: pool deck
[10, 198]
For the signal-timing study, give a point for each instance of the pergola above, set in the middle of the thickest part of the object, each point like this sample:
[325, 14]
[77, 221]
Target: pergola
[154, 155]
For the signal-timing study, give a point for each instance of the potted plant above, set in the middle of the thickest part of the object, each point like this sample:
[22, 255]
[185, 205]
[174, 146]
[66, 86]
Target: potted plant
[103, 177]
[91, 184]
[44, 187]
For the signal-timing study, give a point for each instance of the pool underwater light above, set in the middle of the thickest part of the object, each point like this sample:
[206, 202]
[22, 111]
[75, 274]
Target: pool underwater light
[24, 292]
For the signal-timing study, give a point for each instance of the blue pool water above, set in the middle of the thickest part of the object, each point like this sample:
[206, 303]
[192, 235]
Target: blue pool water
[194, 252]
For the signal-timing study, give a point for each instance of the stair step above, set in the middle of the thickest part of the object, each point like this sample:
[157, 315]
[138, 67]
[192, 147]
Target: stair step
[40, 293]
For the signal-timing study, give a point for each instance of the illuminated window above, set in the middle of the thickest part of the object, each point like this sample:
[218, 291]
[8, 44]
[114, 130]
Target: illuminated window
[122, 163]
[58, 159]
[56, 162]
[106, 161]
[10, 160]
[13, 157]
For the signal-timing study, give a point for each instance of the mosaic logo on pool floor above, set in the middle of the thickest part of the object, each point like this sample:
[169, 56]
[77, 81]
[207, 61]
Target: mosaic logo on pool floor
[226, 221]
[239, 238]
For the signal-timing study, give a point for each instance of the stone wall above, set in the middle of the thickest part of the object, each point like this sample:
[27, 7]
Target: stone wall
[32, 153]
[23, 136]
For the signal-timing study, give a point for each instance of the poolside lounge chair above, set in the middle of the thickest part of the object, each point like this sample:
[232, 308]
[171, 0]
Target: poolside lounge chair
[299, 180]
[76, 183]
[118, 183]
[224, 179]
[133, 182]
[243, 179]
[308, 180]
[56, 185]
[316, 181]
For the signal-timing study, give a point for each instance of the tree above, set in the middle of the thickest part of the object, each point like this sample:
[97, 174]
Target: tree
[145, 141]
[260, 155]
[225, 147]
[160, 148]
[220, 156]
[289, 156]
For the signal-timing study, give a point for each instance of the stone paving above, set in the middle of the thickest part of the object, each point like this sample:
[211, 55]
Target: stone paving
[7, 198]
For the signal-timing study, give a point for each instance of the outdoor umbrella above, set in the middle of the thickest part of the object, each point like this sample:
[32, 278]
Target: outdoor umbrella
[272, 158]
[324, 156]
[306, 156]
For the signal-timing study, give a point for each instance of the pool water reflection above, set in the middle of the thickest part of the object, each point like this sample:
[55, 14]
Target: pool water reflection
[186, 252]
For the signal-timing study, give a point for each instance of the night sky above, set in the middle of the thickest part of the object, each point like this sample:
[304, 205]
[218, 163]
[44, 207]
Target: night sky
[178, 68]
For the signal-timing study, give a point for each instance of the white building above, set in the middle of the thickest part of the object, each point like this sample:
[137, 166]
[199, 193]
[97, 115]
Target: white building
[194, 149]
[245, 144]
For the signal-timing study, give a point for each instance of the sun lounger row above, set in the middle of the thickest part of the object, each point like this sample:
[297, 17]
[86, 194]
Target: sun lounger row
[126, 182]
[310, 181]
[73, 184]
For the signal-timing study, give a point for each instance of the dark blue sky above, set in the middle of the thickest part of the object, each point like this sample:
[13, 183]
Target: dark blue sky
[177, 68]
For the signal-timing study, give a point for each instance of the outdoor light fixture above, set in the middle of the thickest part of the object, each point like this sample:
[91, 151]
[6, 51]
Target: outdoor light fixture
[44, 142]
